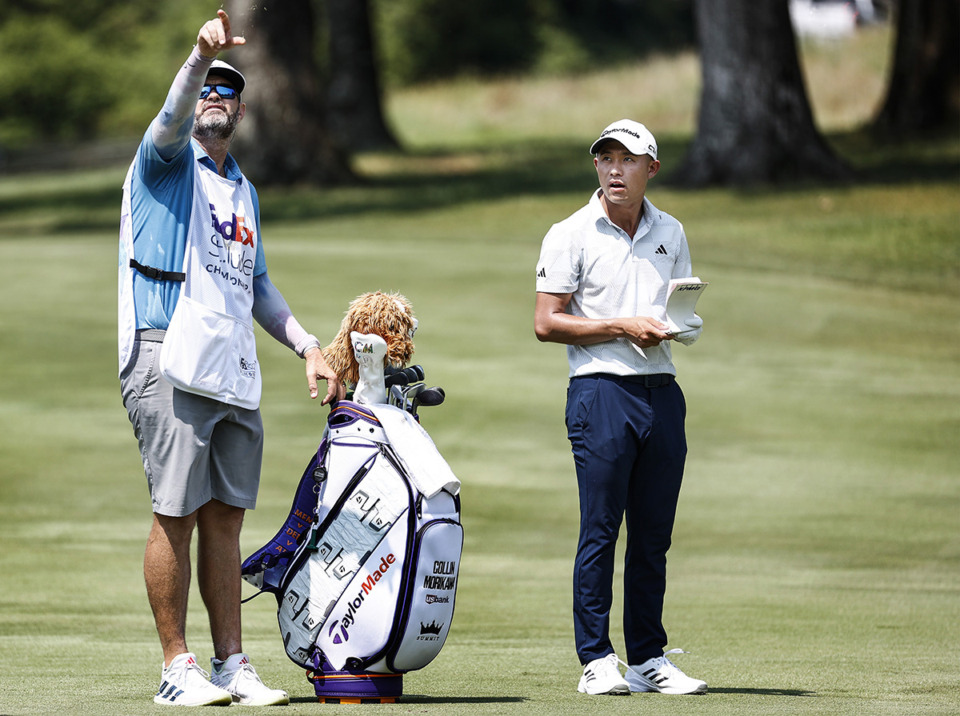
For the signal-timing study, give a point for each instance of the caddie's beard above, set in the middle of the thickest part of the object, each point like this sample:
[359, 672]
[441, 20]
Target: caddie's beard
[215, 126]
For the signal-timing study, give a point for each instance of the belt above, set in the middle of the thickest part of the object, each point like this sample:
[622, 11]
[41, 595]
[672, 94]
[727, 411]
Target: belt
[653, 380]
[151, 335]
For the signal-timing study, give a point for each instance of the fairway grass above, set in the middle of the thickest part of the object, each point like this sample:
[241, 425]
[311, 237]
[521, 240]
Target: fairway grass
[816, 558]
[815, 566]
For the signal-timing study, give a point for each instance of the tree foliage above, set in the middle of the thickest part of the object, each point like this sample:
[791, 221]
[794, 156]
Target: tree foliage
[434, 38]
[425, 40]
[77, 69]
[54, 82]
[73, 69]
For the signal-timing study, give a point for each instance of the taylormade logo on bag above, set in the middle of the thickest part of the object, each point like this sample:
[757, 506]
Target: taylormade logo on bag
[350, 618]
[378, 573]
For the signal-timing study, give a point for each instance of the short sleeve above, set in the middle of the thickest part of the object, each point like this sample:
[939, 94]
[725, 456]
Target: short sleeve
[561, 263]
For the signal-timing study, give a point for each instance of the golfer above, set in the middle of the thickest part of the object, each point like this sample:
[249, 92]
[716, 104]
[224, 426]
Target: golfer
[602, 283]
[192, 279]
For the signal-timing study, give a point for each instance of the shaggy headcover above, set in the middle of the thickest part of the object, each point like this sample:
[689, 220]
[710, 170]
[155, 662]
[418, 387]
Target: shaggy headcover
[388, 315]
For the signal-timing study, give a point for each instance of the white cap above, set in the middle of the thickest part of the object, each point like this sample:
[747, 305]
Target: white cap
[633, 135]
[219, 67]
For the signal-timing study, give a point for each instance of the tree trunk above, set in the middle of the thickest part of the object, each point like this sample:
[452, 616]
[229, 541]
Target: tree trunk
[924, 90]
[283, 138]
[755, 125]
[354, 102]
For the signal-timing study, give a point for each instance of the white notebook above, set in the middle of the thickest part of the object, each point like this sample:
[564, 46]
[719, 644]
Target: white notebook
[682, 297]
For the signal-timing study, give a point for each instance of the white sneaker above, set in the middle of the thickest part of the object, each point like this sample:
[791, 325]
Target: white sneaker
[237, 676]
[184, 683]
[662, 675]
[602, 676]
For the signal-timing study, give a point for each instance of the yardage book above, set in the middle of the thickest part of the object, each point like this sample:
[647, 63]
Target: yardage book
[682, 297]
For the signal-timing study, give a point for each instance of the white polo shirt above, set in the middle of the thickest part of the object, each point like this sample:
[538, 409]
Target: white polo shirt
[613, 275]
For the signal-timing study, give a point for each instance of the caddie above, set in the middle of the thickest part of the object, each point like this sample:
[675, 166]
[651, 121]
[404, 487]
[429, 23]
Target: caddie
[192, 277]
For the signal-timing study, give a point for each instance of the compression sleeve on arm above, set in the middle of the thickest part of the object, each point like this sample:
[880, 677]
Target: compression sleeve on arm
[273, 314]
[171, 129]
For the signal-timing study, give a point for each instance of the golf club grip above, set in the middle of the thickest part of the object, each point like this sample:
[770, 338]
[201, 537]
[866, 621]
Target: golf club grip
[408, 375]
[431, 396]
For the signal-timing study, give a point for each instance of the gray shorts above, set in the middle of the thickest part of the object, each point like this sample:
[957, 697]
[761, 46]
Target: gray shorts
[194, 449]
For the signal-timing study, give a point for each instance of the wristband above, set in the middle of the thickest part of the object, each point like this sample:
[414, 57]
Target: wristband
[306, 343]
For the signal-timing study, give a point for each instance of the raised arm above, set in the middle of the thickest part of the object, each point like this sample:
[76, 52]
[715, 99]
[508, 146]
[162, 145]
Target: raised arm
[171, 129]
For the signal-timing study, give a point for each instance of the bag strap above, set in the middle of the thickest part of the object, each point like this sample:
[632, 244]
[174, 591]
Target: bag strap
[155, 273]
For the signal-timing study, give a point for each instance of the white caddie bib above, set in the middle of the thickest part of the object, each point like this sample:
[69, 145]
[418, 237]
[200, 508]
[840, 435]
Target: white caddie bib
[209, 348]
[126, 314]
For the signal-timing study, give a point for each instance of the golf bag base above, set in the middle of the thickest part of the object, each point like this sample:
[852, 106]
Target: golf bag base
[353, 686]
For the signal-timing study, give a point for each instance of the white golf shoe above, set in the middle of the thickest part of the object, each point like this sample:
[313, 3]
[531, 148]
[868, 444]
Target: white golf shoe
[237, 676]
[662, 675]
[602, 676]
[184, 683]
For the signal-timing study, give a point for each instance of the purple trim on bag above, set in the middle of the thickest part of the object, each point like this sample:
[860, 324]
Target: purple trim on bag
[351, 683]
[347, 413]
[272, 559]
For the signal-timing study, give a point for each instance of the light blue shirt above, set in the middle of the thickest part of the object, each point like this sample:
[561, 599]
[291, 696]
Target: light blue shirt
[161, 197]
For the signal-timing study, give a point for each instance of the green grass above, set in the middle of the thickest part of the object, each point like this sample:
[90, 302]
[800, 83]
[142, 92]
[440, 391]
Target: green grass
[816, 559]
[845, 83]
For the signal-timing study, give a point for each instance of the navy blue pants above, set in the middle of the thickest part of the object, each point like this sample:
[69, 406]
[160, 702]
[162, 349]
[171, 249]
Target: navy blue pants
[629, 446]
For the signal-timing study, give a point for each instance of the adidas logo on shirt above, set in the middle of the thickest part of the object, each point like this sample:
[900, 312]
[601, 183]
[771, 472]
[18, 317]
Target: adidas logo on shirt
[542, 273]
[661, 250]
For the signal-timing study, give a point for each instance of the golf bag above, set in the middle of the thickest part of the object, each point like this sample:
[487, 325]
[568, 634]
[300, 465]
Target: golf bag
[365, 568]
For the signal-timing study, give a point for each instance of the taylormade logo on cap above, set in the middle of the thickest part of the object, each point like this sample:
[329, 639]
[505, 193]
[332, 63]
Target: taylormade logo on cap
[633, 135]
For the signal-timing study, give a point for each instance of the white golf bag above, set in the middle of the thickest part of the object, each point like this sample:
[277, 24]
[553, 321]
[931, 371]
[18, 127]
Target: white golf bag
[365, 568]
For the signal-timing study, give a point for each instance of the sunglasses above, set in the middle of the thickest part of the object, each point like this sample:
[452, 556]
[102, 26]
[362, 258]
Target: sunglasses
[223, 91]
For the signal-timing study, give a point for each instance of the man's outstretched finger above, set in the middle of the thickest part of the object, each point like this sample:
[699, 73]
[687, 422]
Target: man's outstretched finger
[228, 39]
[226, 33]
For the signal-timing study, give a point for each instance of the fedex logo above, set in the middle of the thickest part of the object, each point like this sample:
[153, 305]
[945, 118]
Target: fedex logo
[232, 230]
